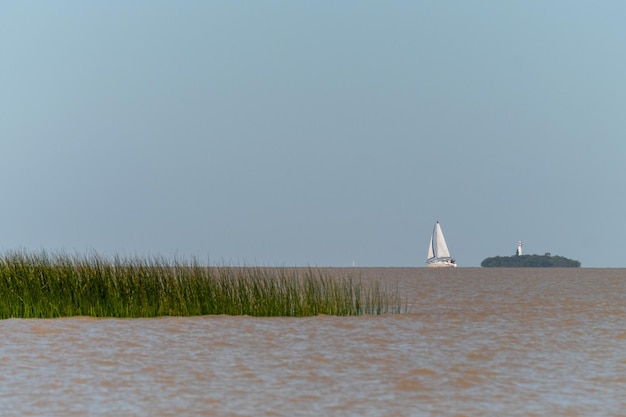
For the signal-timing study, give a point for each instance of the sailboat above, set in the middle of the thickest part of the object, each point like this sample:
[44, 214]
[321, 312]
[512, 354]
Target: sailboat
[438, 253]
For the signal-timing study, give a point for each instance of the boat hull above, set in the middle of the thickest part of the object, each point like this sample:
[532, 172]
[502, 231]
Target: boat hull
[442, 264]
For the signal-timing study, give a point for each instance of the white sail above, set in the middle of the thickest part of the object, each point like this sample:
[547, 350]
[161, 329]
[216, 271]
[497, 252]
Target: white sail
[431, 252]
[441, 250]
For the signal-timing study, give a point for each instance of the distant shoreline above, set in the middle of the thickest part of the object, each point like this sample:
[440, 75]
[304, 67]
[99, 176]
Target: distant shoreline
[530, 261]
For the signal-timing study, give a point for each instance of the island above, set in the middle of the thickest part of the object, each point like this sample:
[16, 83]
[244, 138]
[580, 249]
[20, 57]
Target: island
[529, 261]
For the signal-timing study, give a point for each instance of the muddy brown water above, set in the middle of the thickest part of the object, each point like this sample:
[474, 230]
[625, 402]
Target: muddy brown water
[475, 342]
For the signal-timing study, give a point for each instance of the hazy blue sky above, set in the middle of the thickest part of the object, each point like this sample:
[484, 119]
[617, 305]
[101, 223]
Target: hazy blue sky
[314, 133]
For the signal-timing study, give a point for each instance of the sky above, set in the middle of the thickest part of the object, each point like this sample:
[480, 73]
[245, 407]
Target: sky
[326, 133]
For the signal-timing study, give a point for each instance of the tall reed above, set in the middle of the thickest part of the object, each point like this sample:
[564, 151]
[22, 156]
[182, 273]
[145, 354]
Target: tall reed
[41, 285]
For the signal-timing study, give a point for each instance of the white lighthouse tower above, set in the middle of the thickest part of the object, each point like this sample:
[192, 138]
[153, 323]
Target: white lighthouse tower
[518, 252]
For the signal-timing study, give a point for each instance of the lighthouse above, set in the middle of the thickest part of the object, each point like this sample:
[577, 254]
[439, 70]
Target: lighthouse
[518, 252]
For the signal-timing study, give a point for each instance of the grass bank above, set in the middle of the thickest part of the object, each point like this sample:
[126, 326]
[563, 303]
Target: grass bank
[39, 285]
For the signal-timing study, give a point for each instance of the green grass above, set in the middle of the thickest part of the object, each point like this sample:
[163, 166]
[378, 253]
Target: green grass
[47, 286]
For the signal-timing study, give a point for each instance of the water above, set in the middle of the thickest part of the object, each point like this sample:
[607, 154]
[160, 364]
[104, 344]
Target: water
[488, 342]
